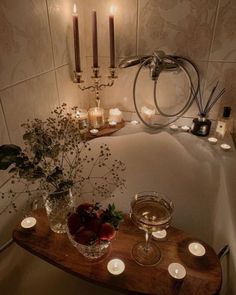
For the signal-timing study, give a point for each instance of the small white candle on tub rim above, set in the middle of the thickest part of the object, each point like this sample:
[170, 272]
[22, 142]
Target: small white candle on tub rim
[225, 146]
[212, 140]
[197, 249]
[185, 128]
[134, 122]
[28, 223]
[174, 127]
[147, 114]
[115, 115]
[115, 266]
[160, 234]
[177, 271]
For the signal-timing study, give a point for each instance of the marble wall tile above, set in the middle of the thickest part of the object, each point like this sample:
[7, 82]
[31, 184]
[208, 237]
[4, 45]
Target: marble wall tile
[224, 72]
[125, 26]
[69, 92]
[172, 90]
[60, 15]
[4, 138]
[25, 47]
[224, 44]
[27, 100]
[182, 27]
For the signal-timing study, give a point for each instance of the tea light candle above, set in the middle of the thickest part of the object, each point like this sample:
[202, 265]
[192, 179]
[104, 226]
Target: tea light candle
[185, 128]
[147, 114]
[28, 223]
[212, 140]
[115, 266]
[174, 127]
[225, 146]
[96, 117]
[115, 115]
[112, 123]
[94, 131]
[177, 271]
[134, 122]
[160, 234]
[197, 249]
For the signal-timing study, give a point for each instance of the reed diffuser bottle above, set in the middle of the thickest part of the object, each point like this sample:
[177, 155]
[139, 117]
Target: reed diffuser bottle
[201, 125]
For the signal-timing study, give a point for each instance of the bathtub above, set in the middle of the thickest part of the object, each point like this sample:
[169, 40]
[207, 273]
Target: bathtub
[197, 176]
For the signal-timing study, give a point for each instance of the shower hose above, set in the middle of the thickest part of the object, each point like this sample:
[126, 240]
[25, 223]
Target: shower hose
[193, 90]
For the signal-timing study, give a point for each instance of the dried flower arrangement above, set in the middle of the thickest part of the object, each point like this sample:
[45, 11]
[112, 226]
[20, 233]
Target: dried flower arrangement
[54, 159]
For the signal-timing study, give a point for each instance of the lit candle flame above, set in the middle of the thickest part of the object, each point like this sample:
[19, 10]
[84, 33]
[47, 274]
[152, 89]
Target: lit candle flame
[112, 10]
[74, 8]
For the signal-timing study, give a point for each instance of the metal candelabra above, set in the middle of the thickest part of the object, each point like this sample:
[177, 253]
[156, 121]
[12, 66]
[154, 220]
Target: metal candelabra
[97, 84]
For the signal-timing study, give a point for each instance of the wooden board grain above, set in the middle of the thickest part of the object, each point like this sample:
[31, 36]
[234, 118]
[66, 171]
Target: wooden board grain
[203, 274]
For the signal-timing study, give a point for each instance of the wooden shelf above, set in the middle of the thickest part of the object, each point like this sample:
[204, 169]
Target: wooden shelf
[106, 130]
[203, 274]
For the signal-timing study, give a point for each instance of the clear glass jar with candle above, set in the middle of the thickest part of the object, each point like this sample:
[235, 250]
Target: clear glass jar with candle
[82, 116]
[96, 117]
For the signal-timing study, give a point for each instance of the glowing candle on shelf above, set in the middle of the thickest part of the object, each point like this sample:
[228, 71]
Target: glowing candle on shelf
[147, 114]
[115, 115]
[28, 223]
[197, 249]
[115, 266]
[112, 123]
[112, 37]
[177, 271]
[82, 116]
[96, 117]
[76, 39]
[95, 39]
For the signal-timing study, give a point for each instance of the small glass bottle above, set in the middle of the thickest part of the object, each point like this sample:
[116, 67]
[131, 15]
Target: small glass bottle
[224, 124]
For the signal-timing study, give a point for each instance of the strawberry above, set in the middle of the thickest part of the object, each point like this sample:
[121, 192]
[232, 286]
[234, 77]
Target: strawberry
[94, 224]
[107, 232]
[74, 223]
[85, 237]
[86, 207]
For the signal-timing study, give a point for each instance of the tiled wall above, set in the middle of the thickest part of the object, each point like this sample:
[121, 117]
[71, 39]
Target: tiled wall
[36, 54]
[204, 31]
[35, 60]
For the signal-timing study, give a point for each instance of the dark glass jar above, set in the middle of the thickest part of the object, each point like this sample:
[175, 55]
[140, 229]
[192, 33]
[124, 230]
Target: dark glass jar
[201, 126]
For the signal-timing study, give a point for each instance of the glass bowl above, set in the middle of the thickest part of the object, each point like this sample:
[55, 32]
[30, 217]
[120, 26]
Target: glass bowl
[91, 252]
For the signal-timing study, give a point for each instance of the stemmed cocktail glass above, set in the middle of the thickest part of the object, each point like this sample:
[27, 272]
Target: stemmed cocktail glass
[151, 212]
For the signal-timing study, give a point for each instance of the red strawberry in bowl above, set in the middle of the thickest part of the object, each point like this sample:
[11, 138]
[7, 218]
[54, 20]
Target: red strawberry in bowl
[94, 224]
[85, 237]
[74, 223]
[107, 232]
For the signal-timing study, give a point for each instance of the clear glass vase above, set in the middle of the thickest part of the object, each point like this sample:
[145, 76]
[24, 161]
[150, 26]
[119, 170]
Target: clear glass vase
[58, 205]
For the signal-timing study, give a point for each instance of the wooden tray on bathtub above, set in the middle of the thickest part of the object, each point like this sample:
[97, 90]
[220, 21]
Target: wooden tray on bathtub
[203, 274]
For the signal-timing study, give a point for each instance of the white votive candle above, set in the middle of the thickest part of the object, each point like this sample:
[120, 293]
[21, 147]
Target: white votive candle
[185, 128]
[147, 114]
[134, 122]
[174, 127]
[212, 140]
[177, 271]
[112, 123]
[115, 115]
[197, 249]
[96, 117]
[94, 131]
[225, 146]
[28, 223]
[116, 266]
[160, 234]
